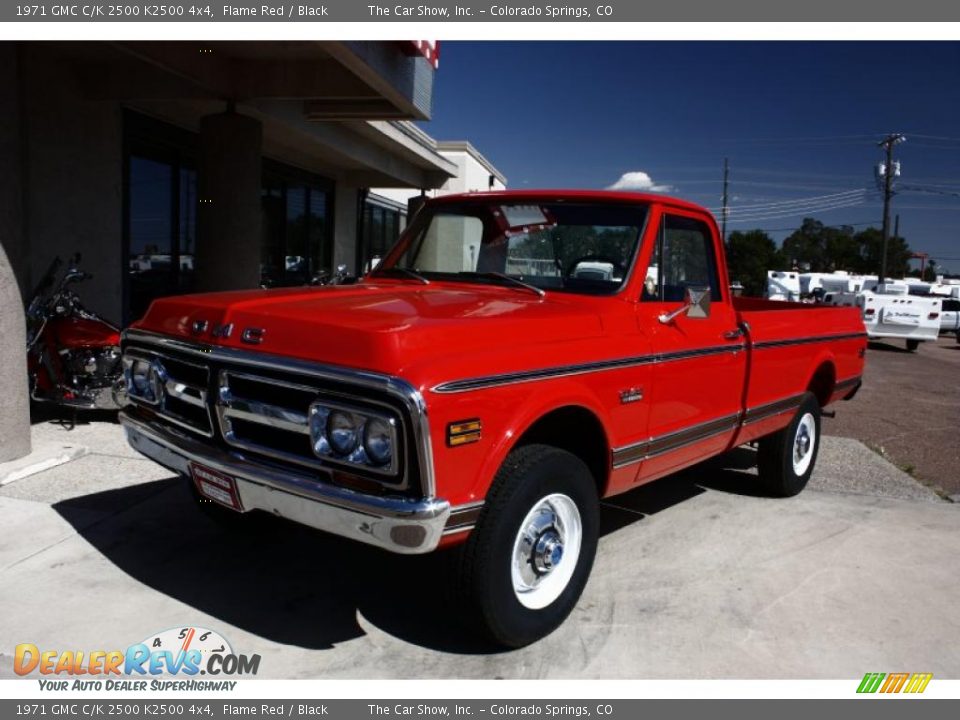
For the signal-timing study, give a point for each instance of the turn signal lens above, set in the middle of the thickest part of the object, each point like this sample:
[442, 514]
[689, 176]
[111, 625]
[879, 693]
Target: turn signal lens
[463, 432]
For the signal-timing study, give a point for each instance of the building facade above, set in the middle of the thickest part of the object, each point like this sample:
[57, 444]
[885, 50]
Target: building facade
[174, 167]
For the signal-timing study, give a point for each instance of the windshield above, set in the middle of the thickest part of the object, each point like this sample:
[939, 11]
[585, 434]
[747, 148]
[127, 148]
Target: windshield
[567, 247]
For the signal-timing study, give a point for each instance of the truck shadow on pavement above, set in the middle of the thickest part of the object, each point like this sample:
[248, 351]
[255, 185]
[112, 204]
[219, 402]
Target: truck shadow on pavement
[295, 586]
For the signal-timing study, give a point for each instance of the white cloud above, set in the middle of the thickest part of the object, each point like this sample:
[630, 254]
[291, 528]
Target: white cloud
[639, 181]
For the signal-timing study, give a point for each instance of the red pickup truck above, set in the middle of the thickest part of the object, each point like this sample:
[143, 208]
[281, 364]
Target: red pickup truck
[514, 359]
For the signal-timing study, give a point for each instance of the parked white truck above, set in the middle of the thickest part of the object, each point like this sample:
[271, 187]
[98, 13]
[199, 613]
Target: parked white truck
[889, 311]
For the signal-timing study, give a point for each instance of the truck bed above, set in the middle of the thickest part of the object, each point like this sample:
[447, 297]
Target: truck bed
[793, 346]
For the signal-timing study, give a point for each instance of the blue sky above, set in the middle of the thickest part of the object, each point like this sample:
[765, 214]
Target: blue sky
[798, 121]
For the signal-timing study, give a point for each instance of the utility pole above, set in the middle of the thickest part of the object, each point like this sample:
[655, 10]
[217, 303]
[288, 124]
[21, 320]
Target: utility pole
[887, 172]
[726, 208]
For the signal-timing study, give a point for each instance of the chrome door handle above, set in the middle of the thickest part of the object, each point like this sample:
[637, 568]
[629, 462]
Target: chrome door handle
[733, 334]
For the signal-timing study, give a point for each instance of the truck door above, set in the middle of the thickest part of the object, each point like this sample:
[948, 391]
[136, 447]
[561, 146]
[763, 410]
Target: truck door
[700, 363]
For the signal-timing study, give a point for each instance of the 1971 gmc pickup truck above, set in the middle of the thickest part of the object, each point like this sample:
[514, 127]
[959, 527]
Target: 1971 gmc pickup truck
[515, 358]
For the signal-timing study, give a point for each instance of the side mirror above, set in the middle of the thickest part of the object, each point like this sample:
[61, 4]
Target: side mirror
[696, 304]
[74, 275]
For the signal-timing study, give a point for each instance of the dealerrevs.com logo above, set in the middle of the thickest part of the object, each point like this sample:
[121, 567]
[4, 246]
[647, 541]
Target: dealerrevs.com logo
[156, 663]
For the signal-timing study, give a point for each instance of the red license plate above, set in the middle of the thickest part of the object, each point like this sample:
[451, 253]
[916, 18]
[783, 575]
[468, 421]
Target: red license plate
[214, 485]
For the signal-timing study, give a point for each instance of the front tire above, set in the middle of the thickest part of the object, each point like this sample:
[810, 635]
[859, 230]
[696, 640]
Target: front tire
[785, 459]
[527, 561]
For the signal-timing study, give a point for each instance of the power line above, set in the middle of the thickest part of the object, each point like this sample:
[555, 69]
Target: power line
[936, 137]
[929, 191]
[793, 212]
[835, 225]
[799, 201]
[808, 138]
[801, 209]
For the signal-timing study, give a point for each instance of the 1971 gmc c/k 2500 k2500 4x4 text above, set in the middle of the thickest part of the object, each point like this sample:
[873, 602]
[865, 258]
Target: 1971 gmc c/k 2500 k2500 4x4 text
[515, 358]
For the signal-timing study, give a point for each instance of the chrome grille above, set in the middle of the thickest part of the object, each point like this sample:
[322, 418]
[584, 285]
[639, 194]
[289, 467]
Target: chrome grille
[184, 397]
[271, 417]
[258, 405]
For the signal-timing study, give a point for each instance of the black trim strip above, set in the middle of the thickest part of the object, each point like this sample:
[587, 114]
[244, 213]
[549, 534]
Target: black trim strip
[463, 517]
[488, 381]
[764, 344]
[771, 409]
[630, 454]
[673, 441]
[848, 383]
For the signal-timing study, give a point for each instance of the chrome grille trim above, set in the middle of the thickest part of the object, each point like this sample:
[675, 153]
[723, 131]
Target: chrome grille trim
[230, 406]
[406, 394]
[190, 394]
[182, 391]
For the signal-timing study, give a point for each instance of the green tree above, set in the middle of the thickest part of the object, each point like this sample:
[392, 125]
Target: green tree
[807, 246]
[749, 255]
[842, 252]
[870, 241]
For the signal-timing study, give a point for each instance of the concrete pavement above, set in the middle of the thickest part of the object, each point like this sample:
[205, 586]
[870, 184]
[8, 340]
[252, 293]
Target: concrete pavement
[696, 577]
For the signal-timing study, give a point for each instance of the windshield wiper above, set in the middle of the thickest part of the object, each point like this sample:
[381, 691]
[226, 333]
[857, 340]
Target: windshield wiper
[405, 271]
[501, 276]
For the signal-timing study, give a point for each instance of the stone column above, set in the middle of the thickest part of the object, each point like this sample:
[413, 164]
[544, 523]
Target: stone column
[228, 242]
[15, 416]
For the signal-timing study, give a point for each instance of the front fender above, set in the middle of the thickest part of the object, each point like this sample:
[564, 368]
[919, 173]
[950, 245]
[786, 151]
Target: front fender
[465, 473]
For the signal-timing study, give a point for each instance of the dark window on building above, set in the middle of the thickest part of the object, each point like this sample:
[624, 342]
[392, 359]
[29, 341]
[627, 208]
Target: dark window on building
[161, 212]
[381, 229]
[160, 223]
[297, 226]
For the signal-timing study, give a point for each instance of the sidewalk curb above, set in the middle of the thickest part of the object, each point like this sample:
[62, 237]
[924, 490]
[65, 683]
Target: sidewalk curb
[45, 455]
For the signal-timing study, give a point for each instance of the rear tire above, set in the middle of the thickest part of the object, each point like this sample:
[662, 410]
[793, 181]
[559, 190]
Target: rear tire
[524, 566]
[912, 345]
[785, 459]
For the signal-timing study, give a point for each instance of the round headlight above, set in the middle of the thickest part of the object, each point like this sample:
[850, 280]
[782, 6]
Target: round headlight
[378, 441]
[342, 432]
[145, 380]
[140, 375]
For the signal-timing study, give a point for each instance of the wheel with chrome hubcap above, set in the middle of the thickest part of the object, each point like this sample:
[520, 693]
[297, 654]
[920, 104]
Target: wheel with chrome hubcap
[786, 458]
[528, 559]
[545, 551]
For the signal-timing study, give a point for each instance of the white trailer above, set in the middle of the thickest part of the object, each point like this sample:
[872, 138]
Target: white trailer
[783, 285]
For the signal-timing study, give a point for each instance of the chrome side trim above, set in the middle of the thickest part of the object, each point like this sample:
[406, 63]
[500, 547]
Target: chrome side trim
[398, 388]
[488, 381]
[771, 409]
[394, 523]
[463, 517]
[662, 444]
[764, 344]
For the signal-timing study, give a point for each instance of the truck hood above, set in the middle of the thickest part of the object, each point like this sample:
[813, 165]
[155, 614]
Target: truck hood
[384, 327]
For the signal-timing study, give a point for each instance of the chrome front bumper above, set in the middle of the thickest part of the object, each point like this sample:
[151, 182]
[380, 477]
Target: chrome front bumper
[395, 524]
